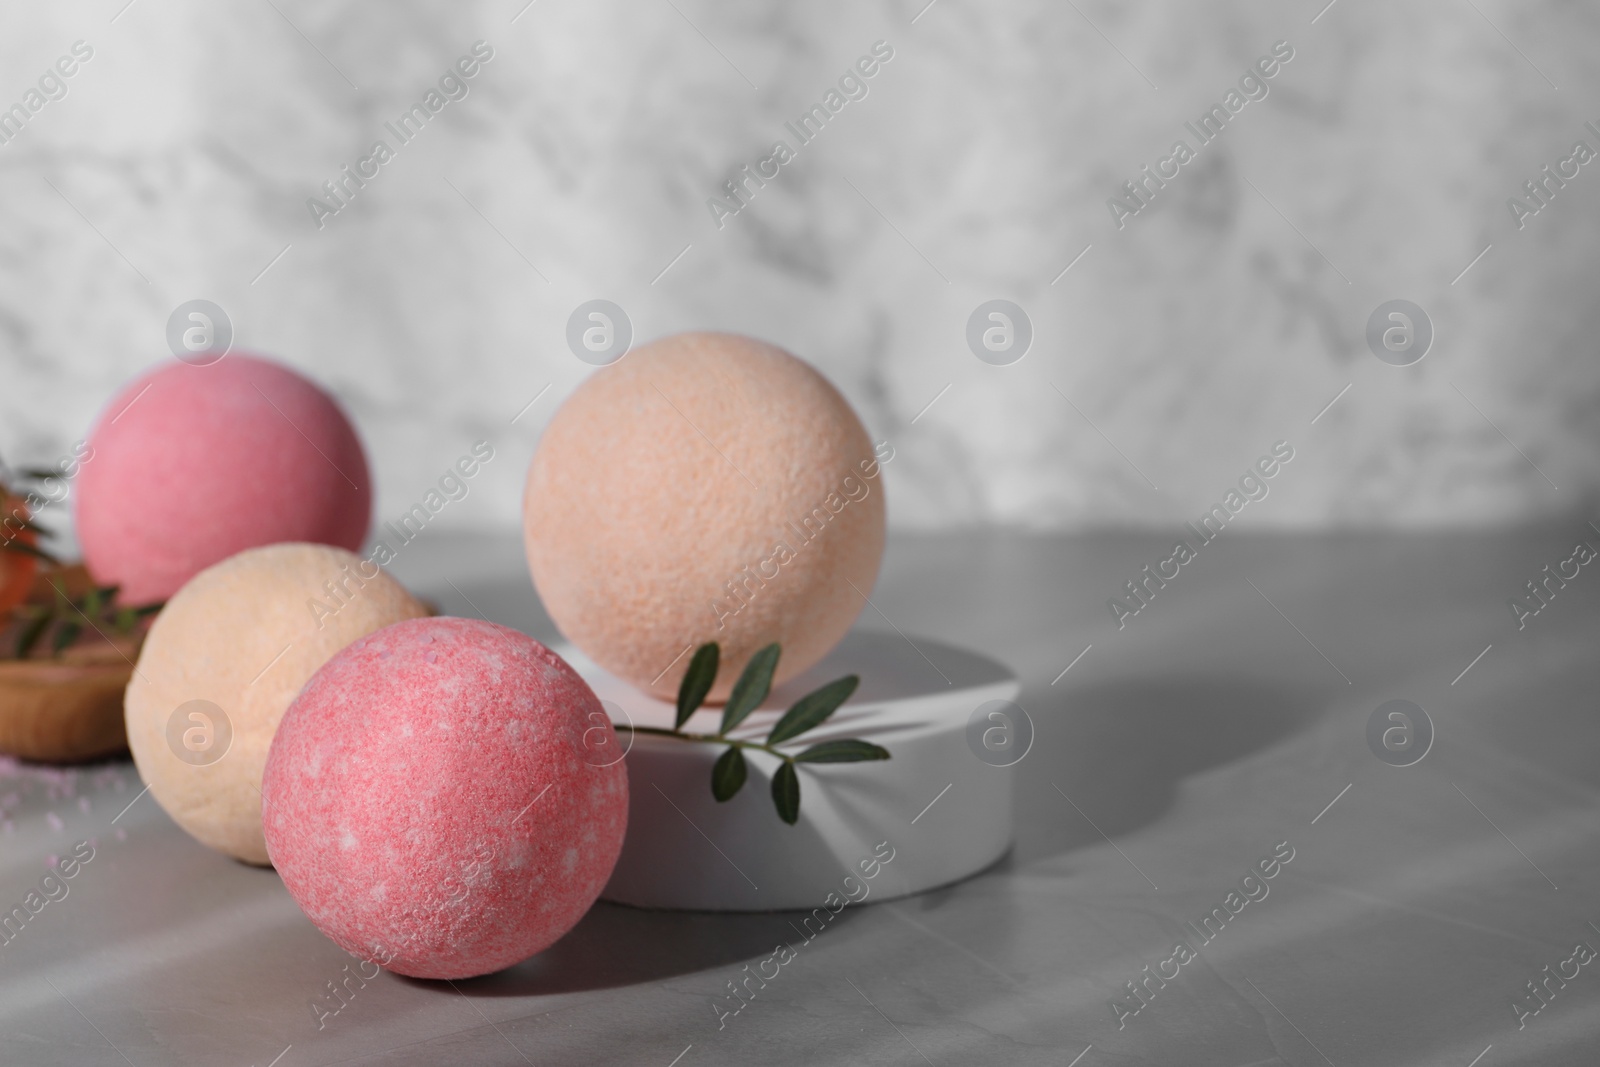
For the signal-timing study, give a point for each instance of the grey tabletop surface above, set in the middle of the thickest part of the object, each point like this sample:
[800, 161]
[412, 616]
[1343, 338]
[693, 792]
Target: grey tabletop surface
[1226, 721]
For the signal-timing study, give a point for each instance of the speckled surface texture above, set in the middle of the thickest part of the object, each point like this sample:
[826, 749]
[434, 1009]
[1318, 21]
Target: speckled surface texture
[191, 464]
[244, 635]
[429, 804]
[707, 487]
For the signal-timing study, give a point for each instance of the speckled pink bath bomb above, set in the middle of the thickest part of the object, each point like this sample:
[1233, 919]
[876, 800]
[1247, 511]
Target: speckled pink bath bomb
[191, 465]
[438, 801]
[706, 487]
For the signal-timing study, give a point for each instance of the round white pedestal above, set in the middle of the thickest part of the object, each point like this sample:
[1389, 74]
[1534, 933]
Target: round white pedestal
[943, 812]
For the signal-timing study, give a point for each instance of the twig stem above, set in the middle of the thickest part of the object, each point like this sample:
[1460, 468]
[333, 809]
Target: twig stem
[714, 739]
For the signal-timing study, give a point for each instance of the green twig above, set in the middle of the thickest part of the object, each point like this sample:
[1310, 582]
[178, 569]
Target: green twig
[712, 739]
[729, 773]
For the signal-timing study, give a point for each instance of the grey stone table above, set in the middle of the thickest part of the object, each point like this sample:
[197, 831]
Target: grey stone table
[1227, 720]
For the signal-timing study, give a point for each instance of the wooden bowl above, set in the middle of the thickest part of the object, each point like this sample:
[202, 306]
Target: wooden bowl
[67, 708]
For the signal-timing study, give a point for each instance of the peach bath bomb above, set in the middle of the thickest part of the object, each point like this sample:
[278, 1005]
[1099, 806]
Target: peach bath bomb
[706, 487]
[194, 463]
[223, 661]
[439, 799]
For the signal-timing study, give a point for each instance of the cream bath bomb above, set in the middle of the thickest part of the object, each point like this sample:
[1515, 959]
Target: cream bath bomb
[192, 464]
[437, 799]
[221, 664]
[707, 487]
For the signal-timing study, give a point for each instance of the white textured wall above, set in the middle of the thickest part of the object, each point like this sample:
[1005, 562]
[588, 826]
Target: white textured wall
[1193, 339]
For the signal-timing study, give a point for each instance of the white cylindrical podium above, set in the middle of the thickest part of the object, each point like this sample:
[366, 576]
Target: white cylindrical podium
[943, 812]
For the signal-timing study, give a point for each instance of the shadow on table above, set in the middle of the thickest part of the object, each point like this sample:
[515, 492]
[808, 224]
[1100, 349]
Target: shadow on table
[616, 945]
[1120, 751]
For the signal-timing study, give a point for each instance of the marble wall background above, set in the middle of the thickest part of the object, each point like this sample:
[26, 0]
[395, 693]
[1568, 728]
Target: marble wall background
[978, 166]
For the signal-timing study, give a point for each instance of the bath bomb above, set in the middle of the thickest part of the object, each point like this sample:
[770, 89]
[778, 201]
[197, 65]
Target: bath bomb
[706, 487]
[438, 799]
[189, 465]
[221, 664]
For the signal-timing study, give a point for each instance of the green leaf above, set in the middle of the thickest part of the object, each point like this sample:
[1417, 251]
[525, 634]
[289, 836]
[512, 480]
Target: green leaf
[751, 688]
[813, 709]
[30, 636]
[697, 681]
[728, 774]
[148, 609]
[28, 550]
[93, 603]
[65, 634]
[125, 620]
[786, 793]
[847, 751]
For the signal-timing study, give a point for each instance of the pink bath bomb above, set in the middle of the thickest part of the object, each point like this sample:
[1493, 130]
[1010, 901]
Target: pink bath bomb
[443, 798]
[190, 465]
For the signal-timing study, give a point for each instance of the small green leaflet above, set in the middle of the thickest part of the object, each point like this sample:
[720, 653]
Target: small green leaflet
[845, 751]
[728, 774]
[813, 709]
[751, 688]
[697, 682]
[786, 793]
